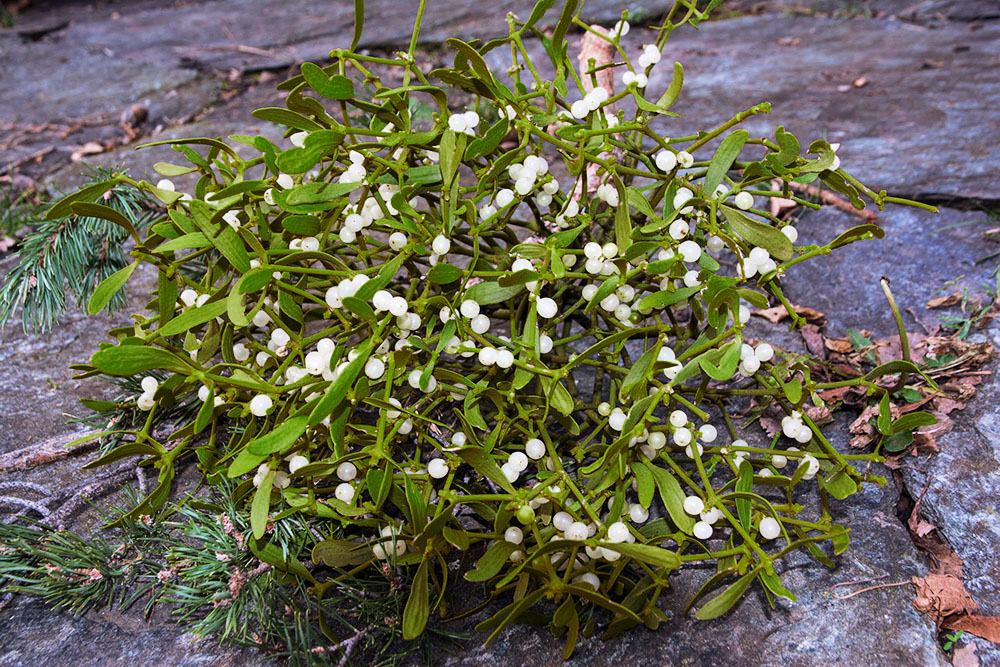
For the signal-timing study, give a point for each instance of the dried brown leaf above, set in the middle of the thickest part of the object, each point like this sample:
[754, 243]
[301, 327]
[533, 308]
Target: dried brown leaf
[778, 313]
[944, 301]
[839, 345]
[987, 627]
[89, 148]
[942, 595]
[819, 414]
[813, 340]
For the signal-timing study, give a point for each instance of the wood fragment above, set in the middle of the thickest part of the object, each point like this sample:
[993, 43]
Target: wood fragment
[44, 452]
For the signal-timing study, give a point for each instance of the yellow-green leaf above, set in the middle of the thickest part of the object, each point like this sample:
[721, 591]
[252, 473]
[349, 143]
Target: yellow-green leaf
[109, 287]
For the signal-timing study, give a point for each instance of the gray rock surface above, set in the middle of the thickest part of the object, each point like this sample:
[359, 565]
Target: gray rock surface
[34, 636]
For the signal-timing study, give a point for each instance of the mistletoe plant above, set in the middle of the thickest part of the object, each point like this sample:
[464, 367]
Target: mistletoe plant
[511, 327]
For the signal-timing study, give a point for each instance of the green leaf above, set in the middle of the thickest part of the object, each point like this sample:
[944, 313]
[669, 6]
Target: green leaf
[338, 388]
[898, 442]
[198, 141]
[607, 287]
[244, 462]
[840, 485]
[63, 207]
[126, 360]
[301, 224]
[205, 411]
[166, 289]
[450, 152]
[672, 497]
[897, 366]
[757, 233]
[169, 170]
[192, 318]
[491, 562]
[647, 553]
[490, 293]
[663, 299]
[744, 485]
[260, 505]
[274, 555]
[637, 201]
[722, 602]
[417, 605]
[859, 233]
[729, 360]
[185, 242]
[558, 395]
[279, 438]
[109, 287]
[359, 308]
[223, 237]
[884, 421]
[563, 25]
[340, 553]
[722, 161]
[484, 464]
[379, 483]
[313, 197]
[122, 452]
[793, 390]
[359, 23]
[537, 13]
[487, 143]
[673, 90]
[414, 503]
[443, 273]
[644, 483]
[337, 87]
[773, 583]
[283, 116]
[623, 227]
[102, 212]
[913, 420]
[476, 61]
[640, 370]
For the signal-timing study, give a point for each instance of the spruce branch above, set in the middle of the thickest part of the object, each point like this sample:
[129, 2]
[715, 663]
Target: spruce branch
[71, 255]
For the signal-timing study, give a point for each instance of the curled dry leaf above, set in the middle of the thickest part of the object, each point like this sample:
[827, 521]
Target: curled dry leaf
[89, 148]
[944, 301]
[778, 313]
[813, 340]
